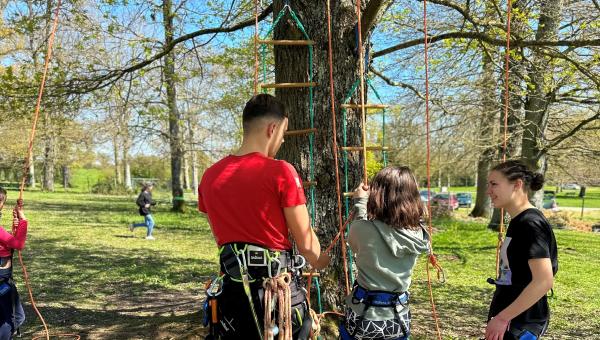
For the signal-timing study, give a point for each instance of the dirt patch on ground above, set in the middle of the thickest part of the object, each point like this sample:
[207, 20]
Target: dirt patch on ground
[152, 315]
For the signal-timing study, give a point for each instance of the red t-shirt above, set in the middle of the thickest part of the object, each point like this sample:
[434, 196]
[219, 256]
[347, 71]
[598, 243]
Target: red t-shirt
[9, 242]
[244, 197]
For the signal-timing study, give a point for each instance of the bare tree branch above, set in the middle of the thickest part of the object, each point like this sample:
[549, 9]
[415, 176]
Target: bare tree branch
[371, 14]
[559, 139]
[486, 38]
[80, 86]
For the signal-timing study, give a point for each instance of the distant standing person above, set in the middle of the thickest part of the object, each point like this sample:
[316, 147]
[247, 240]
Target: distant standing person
[528, 257]
[144, 202]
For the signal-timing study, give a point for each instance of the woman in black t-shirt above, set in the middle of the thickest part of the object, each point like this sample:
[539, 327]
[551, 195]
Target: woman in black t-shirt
[528, 257]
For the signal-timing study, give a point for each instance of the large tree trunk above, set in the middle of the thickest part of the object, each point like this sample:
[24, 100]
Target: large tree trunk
[175, 140]
[536, 106]
[291, 65]
[66, 176]
[117, 167]
[126, 162]
[49, 155]
[186, 172]
[193, 156]
[31, 175]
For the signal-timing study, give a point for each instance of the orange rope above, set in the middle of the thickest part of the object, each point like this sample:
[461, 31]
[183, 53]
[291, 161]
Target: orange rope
[431, 258]
[28, 160]
[505, 139]
[335, 146]
[255, 47]
[362, 93]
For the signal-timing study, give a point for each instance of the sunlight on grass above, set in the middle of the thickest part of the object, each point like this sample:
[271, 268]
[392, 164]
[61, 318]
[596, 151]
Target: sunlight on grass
[92, 276]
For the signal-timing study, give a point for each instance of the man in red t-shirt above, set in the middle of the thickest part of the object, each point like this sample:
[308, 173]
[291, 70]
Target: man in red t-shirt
[251, 198]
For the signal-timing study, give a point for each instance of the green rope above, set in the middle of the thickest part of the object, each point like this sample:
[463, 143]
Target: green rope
[346, 184]
[383, 152]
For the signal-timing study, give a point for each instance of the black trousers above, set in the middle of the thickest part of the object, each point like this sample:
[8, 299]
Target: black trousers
[235, 319]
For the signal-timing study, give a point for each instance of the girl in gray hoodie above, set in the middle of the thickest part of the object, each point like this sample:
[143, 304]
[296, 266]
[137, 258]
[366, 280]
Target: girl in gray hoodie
[386, 237]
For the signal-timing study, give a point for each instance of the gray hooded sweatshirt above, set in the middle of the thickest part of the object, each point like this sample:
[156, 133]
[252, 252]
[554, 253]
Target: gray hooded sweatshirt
[385, 257]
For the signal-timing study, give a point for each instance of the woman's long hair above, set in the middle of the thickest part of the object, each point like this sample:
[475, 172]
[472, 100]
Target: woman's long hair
[394, 198]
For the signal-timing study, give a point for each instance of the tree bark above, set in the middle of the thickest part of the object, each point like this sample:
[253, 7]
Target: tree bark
[186, 172]
[487, 132]
[66, 176]
[49, 155]
[31, 176]
[117, 168]
[175, 140]
[193, 156]
[537, 104]
[126, 163]
[291, 65]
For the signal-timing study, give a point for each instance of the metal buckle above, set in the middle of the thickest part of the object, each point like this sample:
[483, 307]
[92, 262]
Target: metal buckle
[216, 287]
[295, 260]
[269, 270]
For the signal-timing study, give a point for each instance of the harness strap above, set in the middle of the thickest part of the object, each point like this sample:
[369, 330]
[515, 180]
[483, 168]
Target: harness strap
[378, 299]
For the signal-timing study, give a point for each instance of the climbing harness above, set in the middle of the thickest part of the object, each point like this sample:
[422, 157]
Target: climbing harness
[255, 267]
[354, 324]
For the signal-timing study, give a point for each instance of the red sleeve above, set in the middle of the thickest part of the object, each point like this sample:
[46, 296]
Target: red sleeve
[201, 206]
[291, 192]
[16, 241]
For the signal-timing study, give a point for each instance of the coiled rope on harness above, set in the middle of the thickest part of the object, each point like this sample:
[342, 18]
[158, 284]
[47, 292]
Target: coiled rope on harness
[278, 289]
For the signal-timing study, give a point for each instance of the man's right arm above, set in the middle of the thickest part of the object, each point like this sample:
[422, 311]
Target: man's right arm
[298, 222]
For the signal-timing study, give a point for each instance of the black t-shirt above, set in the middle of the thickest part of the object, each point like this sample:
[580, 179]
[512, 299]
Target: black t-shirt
[529, 236]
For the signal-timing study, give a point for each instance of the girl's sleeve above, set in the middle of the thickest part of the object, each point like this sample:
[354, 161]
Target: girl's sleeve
[360, 207]
[16, 241]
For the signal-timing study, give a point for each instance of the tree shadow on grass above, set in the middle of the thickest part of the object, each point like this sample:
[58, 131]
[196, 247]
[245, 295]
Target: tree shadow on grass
[462, 310]
[114, 293]
[107, 324]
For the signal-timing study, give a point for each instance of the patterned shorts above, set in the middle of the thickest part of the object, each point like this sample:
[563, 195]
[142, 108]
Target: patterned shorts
[392, 329]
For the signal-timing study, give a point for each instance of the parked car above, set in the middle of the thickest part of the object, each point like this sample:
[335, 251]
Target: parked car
[465, 199]
[571, 186]
[550, 200]
[424, 197]
[445, 200]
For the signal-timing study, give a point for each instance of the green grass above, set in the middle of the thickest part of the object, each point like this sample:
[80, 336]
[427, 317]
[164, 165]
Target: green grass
[84, 179]
[91, 276]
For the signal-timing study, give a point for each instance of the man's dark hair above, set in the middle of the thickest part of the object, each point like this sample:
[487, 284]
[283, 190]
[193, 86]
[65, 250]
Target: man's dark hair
[261, 106]
[2, 194]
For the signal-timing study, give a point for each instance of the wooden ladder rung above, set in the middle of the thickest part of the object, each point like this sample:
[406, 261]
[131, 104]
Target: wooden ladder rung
[367, 106]
[300, 132]
[287, 42]
[304, 274]
[287, 85]
[360, 148]
[308, 184]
